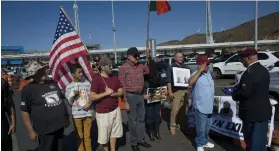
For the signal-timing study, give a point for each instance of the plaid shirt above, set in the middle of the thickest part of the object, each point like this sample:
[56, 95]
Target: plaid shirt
[132, 77]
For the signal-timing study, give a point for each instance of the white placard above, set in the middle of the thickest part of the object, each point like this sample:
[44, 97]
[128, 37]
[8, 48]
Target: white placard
[180, 76]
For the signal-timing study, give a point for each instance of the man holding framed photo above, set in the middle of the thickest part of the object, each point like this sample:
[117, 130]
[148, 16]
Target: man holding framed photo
[178, 95]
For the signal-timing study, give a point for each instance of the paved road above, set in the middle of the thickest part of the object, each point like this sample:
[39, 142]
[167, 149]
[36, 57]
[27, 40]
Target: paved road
[179, 142]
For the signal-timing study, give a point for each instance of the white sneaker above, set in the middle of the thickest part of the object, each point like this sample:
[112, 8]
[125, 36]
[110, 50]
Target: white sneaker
[209, 145]
[200, 149]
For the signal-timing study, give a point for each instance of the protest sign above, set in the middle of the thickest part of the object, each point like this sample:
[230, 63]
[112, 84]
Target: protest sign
[157, 94]
[225, 118]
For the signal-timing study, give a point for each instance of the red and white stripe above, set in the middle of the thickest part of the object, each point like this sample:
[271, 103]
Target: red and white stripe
[68, 49]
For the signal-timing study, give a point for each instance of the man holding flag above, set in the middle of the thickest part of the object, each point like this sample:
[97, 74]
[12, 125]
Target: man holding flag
[49, 113]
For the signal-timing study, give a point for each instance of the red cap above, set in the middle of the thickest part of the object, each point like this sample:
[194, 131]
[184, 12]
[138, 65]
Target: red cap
[248, 52]
[202, 60]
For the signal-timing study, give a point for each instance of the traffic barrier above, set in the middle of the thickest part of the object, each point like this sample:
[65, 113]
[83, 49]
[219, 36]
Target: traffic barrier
[121, 103]
[275, 138]
[10, 80]
[240, 143]
[16, 81]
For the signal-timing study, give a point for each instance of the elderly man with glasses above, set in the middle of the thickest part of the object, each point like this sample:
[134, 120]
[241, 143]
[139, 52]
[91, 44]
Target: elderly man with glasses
[131, 75]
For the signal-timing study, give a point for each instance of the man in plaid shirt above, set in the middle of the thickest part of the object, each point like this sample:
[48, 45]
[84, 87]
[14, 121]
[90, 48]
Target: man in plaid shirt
[131, 75]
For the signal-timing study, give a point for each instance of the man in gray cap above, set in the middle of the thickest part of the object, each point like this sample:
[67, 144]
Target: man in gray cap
[105, 90]
[131, 74]
[42, 102]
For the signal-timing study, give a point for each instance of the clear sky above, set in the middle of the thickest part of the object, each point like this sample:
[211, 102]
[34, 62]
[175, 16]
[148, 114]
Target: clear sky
[33, 24]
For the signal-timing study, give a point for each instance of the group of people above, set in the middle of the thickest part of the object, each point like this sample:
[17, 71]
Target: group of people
[45, 107]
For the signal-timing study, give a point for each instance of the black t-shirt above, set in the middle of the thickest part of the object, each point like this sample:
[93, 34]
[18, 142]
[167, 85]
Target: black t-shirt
[46, 106]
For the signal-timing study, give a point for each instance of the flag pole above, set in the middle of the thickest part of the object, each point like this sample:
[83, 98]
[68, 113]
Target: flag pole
[256, 25]
[114, 30]
[147, 53]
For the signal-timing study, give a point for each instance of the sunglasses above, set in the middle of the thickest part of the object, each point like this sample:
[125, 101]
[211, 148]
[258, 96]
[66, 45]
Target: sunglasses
[135, 55]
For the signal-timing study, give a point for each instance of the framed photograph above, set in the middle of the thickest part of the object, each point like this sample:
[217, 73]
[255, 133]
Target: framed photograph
[157, 94]
[181, 76]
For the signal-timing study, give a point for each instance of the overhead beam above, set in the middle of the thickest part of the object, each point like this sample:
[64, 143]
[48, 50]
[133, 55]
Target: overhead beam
[158, 48]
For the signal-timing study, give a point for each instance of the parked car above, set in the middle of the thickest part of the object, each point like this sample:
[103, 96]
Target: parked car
[272, 68]
[276, 53]
[232, 65]
[273, 86]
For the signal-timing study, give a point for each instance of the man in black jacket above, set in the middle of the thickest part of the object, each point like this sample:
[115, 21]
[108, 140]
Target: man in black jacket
[254, 105]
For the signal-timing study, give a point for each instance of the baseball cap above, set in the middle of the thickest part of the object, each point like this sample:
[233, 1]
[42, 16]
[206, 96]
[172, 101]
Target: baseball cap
[202, 59]
[248, 52]
[133, 51]
[105, 61]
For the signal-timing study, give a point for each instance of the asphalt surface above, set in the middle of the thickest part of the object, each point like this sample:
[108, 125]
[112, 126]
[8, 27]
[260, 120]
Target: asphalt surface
[179, 142]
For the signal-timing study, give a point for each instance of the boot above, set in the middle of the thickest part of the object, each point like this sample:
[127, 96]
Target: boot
[150, 131]
[157, 131]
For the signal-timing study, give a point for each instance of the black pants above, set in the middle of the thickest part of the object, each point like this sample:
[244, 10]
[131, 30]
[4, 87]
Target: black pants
[152, 112]
[6, 140]
[52, 141]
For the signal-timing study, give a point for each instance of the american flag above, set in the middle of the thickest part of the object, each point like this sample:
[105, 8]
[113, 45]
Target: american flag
[67, 49]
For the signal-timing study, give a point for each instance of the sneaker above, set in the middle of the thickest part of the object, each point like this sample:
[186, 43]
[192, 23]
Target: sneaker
[173, 130]
[209, 145]
[200, 149]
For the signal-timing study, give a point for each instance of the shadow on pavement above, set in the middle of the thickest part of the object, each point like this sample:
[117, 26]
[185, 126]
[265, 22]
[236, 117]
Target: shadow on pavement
[122, 141]
[70, 139]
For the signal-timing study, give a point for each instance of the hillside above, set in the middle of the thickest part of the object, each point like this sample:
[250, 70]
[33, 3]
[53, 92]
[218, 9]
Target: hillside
[268, 28]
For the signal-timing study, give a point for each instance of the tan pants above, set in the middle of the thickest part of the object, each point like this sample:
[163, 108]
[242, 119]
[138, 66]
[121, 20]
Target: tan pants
[180, 99]
[83, 128]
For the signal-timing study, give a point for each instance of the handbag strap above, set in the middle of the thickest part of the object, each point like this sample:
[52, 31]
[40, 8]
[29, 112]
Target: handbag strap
[104, 81]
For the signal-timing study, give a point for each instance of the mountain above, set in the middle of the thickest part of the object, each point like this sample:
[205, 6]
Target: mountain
[268, 29]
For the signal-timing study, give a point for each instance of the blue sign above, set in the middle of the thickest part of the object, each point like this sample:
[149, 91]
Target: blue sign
[12, 50]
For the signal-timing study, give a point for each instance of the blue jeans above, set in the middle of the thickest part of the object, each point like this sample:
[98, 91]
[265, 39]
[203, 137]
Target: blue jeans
[136, 118]
[203, 124]
[152, 114]
[255, 135]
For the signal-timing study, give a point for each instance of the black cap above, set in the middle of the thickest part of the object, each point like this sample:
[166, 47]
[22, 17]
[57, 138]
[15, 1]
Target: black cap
[133, 51]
